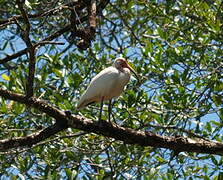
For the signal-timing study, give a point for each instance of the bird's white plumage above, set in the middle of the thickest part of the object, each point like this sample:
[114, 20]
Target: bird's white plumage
[108, 84]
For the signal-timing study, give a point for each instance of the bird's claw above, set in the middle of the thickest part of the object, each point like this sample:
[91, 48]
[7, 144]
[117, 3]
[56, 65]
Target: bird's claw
[103, 123]
[68, 113]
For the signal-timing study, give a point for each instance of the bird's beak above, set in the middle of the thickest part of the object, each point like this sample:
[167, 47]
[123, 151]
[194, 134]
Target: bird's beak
[132, 70]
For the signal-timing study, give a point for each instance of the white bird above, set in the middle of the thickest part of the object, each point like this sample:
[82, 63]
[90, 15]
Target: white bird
[108, 84]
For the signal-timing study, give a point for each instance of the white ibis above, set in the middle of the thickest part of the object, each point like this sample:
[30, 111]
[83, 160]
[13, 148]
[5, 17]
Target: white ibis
[108, 84]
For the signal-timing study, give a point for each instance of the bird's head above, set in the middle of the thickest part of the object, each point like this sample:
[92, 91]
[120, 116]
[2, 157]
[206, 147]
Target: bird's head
[121, 63]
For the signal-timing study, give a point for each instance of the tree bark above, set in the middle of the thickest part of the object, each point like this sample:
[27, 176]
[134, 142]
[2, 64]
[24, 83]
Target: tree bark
[126, 135]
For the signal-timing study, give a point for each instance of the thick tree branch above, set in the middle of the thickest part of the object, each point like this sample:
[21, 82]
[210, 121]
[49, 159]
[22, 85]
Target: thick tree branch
[34, 102]
[31, 139]
[127, 135]
[131, 136]
[87, 34]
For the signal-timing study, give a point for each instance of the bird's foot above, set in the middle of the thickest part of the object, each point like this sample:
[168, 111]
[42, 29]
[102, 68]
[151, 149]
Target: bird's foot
[68, 113]
[103, 123]
[100, 123]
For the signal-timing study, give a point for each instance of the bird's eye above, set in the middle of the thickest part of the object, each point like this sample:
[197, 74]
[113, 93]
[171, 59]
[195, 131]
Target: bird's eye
[123, 64]
[119, 63]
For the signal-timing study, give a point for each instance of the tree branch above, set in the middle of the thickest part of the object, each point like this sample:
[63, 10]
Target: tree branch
[87, 34]
[31, 139]
[35, 144]
[58, 33]
[31, 74]
[127, 135]
[26, 31]
[31, 50]
[38, 44]
[92, 15]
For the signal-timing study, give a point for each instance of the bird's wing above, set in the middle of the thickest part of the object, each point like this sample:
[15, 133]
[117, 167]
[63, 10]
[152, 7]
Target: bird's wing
[98, 86]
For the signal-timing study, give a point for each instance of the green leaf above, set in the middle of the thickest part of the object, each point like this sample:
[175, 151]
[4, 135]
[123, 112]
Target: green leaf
[218, 86]
[57, 72]
[221, 114]
[214, 160]
[5, 77]
[220, 176]
[27, 3]
[74, 80]
[160, 159]
[218, 99]
[208, 126]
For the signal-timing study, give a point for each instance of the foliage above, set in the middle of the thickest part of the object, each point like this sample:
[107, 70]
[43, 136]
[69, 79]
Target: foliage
[176, 47]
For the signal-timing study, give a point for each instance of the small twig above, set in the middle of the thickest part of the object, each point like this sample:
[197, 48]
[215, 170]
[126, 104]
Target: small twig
[41, 95]
[52, 11]
[41, 43]
[26, 129]
[49, 38]
[110, 162]
[190, 133]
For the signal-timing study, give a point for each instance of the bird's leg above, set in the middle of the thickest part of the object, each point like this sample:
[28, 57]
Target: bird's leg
[109, 110]
[101, 108]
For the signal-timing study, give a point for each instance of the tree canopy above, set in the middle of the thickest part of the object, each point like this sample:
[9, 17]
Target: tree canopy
[167, 125]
